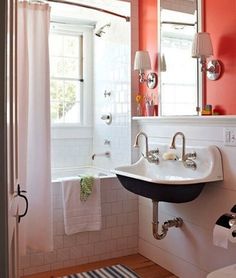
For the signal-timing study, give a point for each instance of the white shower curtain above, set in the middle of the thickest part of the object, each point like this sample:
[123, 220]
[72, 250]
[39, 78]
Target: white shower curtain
[34, 124]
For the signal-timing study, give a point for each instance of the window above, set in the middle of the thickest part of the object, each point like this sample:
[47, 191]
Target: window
[66, 69]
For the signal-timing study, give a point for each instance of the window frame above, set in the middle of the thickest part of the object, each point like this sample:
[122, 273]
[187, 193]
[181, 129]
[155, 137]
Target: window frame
[86, 32]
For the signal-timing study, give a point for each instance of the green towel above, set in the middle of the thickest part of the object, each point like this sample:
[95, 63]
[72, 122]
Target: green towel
[86, 187]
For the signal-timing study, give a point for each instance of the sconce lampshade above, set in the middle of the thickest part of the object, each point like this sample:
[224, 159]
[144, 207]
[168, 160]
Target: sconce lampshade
[202, 46]
[142, 60]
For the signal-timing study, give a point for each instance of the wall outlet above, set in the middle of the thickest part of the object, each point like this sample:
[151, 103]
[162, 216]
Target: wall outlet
[230, 137]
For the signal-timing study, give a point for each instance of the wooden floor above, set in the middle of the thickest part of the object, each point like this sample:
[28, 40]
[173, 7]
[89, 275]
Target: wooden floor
[141, 265]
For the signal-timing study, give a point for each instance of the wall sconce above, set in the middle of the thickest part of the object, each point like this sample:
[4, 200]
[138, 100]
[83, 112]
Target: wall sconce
[202, 48]
[142, 62]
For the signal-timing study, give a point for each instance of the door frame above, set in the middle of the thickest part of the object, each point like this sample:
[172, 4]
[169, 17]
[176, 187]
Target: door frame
[3, 143]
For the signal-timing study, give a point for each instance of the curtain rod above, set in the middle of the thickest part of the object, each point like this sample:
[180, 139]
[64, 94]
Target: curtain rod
[127, 18]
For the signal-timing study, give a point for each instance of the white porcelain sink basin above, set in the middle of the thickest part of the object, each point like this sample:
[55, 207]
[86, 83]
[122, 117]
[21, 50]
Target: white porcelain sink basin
[170, 181]
[226, 272]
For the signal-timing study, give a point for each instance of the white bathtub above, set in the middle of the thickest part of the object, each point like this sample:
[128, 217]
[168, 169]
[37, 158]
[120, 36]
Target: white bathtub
[117, 237]
[58, 174]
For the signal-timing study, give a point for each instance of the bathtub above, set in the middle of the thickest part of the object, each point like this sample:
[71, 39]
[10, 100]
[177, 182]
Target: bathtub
[58, 174]
[117, 237]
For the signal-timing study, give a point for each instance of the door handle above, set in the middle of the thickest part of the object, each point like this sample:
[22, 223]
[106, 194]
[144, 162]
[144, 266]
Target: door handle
[19, 193]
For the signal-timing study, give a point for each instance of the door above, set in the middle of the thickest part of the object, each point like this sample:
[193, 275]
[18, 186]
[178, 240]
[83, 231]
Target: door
[10, 268]
[3, 186]
[12, 148]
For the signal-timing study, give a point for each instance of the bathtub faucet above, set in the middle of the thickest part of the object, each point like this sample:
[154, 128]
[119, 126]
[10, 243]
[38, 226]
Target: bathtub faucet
[106, 154]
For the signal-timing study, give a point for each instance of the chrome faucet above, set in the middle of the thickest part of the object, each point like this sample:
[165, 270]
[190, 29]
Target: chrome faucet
[136, 145]
[152, 155]
[187, 159]
[172, 145]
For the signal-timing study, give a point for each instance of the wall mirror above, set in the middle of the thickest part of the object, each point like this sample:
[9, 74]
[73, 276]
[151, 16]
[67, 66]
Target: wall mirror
[180, 84]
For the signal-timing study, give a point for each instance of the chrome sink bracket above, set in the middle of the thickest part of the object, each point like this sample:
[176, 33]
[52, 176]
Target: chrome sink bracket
[176, 222]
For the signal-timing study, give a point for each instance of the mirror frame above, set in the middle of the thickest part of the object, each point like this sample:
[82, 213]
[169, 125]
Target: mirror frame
[200, 77]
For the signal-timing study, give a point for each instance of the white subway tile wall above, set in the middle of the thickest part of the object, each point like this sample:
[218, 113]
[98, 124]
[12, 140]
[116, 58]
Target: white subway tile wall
[68, 153]
[112, 56]
[118, 236]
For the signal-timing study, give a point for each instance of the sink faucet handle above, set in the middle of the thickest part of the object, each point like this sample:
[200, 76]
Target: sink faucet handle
[154, 152]
[153, 156]
[192, 155]
[189, 163]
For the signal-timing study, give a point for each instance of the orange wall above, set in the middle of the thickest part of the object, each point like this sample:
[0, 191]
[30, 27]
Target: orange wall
[148, 37]
[220, 21]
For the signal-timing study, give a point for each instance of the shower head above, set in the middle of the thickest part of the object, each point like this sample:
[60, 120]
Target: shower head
[100, 31]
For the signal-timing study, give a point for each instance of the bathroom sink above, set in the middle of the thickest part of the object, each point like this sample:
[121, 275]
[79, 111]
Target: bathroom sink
[170, 181]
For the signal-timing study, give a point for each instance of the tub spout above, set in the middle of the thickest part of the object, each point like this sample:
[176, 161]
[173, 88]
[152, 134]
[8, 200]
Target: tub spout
[106, 154]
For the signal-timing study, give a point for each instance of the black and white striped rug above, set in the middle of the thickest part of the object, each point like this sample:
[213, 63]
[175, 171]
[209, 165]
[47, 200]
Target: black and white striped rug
[115, 271]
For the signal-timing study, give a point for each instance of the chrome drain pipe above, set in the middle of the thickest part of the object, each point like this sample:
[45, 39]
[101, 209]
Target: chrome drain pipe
[176, 222]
